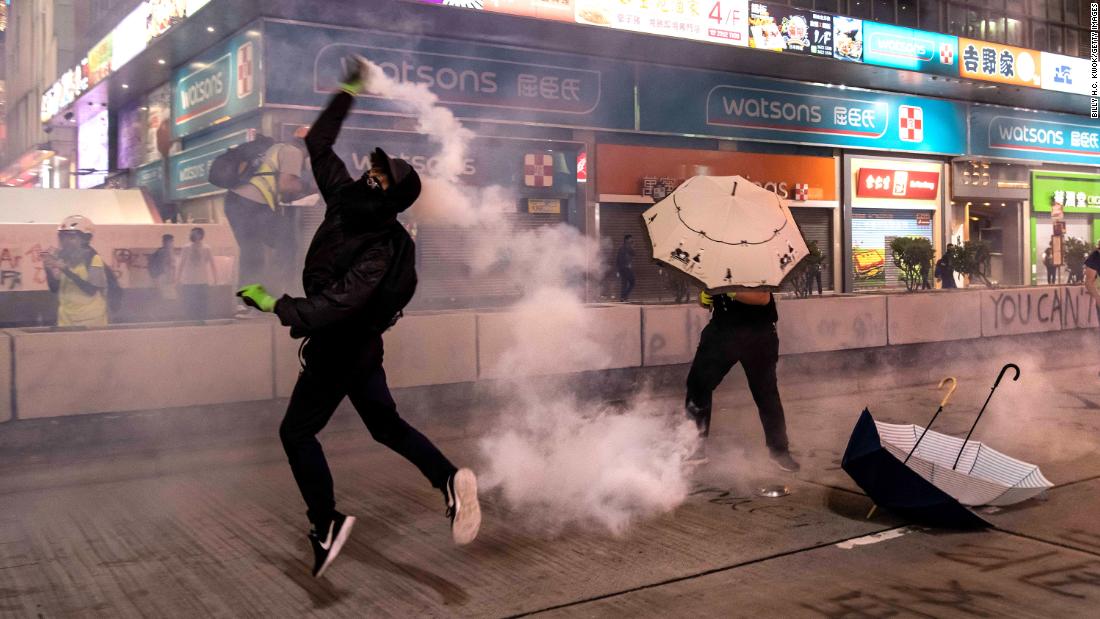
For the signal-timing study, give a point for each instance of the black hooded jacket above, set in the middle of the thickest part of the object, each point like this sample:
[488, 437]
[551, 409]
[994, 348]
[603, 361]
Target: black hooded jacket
[356, 244]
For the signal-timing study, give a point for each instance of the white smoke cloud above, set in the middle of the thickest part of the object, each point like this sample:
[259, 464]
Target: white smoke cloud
[555, 461]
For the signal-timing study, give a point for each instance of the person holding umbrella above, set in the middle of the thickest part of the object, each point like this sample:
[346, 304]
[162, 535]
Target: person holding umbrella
[741, 329]
[359, 275]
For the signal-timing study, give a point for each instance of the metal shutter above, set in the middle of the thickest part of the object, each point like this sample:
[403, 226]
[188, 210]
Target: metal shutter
[445, 264]
[651, 282]
[817, 225]
[872, 231]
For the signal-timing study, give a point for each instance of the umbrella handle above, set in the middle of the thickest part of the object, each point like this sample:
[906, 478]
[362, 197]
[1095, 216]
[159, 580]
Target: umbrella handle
[987, 399]
[943, 403]
[950, 392]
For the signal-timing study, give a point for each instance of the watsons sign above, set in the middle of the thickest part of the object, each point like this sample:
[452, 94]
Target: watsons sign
[203, 92]
[746, 107]
[484, 82]
[217, 87]
[1000, 132]
[188, 170]
[905, 48]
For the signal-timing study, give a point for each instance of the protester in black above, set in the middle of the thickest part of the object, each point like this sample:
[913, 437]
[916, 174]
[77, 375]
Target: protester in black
[624, 265]
[741, 329]
[944, 270]
[1092, 267]
[359, 274]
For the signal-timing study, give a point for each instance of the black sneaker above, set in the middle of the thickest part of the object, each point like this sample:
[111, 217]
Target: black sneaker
[784, 461]
[327, 544]
[462, 506]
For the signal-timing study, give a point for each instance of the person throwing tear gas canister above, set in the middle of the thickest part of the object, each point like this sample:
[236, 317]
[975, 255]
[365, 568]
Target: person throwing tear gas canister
[741, 329]
[359, 274]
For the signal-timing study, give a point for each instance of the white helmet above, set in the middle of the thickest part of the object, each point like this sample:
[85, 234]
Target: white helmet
[77, 223]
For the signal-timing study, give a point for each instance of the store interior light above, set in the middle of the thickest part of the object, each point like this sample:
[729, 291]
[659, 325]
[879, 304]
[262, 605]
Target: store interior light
[974, 219]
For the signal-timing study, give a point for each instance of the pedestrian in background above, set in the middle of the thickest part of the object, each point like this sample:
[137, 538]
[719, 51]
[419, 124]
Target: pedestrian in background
[945, 271]
[624, 265]
[162, 267]
[196, 275]
[1048, 262]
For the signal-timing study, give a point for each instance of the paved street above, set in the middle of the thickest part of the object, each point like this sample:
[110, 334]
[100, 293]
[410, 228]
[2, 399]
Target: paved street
[192, 531]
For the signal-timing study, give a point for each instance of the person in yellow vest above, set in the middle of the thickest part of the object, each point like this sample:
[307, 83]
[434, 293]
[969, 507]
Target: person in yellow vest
[78, 275]
[255, 213]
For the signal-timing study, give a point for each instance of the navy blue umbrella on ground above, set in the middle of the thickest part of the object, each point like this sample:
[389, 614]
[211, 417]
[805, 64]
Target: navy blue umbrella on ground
[919, 478]
[893, 485]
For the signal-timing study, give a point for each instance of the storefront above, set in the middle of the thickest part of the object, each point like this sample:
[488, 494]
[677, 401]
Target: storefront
[631, 178]
[989, 202]
[1071, 198]
[887, 198]
[1052, 143]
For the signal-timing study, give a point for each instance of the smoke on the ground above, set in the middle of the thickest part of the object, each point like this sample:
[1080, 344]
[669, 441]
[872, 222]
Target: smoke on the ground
[554, 460]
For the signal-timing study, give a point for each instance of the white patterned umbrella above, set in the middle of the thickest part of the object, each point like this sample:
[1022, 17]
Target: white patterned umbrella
[983, 475]
[725, 231]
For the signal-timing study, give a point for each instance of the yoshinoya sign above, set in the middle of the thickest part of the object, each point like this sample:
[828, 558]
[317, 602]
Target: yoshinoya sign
[218, 86]
[729, 105]
[1042, 136]
[899, 184]
[1066, 74]
[483, 82]
[982, 60]
[905, 48]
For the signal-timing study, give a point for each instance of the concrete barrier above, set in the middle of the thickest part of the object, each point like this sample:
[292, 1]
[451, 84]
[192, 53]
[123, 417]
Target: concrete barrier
[1015, 311]
[6, 412]
[934, 317]
[533, 342]
[120, 369]
[671, 333]
[831, 323]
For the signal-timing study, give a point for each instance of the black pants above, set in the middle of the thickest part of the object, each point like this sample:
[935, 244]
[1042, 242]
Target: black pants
[255, 225]
[330, 374]
[757, 348]
[626, 276]
[1052, 275]
[195, 299]
[811, 277]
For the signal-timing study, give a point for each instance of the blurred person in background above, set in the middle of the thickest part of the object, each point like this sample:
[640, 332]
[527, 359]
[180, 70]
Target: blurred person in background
[624, 266]
[196, 275]
[162, 267]
[77, 274]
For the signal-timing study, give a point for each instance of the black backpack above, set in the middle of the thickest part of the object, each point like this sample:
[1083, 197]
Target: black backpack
[236, 166]
[398, 285]
[114, 289]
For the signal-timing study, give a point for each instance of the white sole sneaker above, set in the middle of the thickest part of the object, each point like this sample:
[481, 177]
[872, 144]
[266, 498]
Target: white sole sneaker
[337, 544]
[467, 519]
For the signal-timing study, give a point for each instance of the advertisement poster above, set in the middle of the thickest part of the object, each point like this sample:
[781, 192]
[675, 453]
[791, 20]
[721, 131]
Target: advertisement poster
[786, 29]
[91, 155]
[131, 133]
[129, 37]
[714, 21]
[99, 61]
[557, 10]
[163, 14]
[157, 113]
[1065, 73]
[905, 48]
[992, 62]
[848, 38]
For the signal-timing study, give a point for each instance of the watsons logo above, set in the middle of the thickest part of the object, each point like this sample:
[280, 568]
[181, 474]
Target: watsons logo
[193, 175]
[771, 109]
[203, 90]
[442, 77]
[1031, 135]
[908, 48]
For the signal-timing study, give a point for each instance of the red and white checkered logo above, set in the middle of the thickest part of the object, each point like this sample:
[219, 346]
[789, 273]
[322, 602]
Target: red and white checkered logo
[801, 192]
[911, 123]
[538, 170]
[947, 53]
[245, 79]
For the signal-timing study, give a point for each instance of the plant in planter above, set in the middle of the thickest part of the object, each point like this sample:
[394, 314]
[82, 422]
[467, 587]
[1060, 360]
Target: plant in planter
[1074, 252]
[913, 256]
[972, 260]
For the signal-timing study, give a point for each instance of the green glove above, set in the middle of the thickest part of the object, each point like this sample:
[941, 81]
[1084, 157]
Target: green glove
[355, 78]
[256, 296]
[705, 299]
